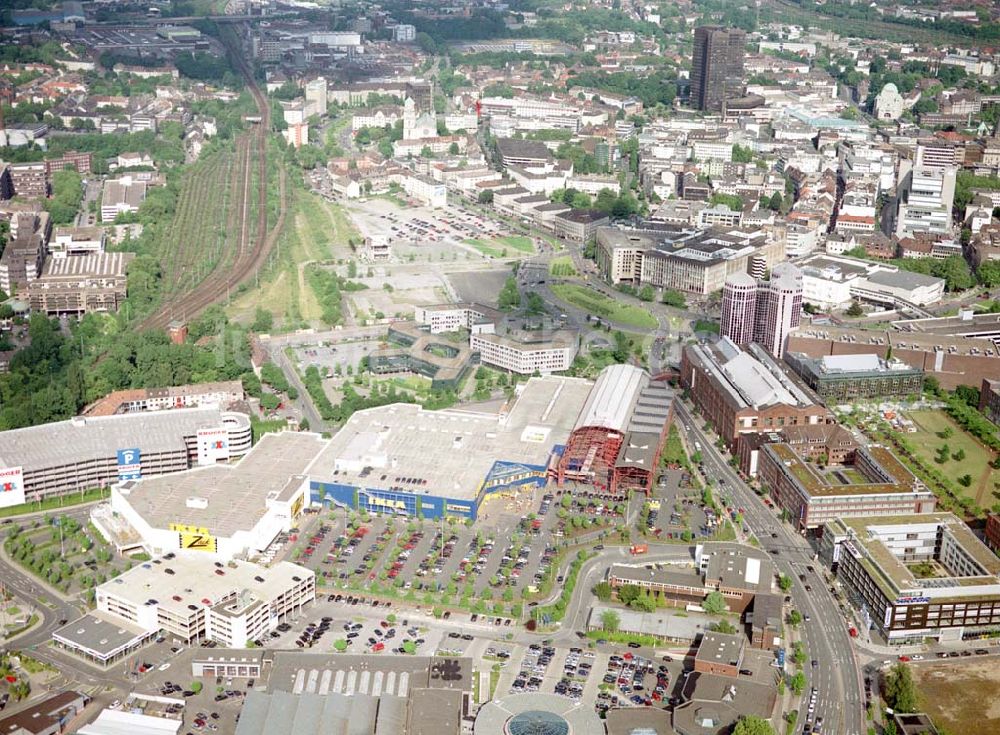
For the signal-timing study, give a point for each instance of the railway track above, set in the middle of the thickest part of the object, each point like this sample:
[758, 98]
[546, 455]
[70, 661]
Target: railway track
[254, 243]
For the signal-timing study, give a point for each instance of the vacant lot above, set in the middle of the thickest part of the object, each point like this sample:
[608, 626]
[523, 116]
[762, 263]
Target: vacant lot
[314, 230]
[604, 307]
[961, 697]
[927, 441]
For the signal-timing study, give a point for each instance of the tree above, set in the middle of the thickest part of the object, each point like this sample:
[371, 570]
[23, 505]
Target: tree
[775, 201]
[900, 692]
[603, 591]
[510, 297]
[263, 321]
[785, 582]
[646, 293]
[628, 592]
[724, 626]
[742, 154]
[794, 617]
[855, 310]
[610, 621]
[753, 725]
[644, 602]
[486, 197]
[714, 604]
[797, 683]
[672, 297]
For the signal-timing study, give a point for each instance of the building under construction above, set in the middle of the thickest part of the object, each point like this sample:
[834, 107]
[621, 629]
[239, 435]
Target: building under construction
[619, 435]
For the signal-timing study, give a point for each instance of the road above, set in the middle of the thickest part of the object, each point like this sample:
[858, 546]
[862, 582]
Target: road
[837, 676]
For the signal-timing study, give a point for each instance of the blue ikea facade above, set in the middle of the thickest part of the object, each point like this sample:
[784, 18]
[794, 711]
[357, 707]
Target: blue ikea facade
[504, 478]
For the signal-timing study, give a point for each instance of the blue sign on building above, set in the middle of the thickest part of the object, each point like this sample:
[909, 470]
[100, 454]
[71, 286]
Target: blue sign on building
[129, 464]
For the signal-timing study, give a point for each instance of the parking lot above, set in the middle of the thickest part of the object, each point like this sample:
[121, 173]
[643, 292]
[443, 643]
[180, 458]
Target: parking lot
[490, 569]
[607, 675]
[419, 233]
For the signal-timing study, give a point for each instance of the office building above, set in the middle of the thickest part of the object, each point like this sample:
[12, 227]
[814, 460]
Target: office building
[580, 225]
[191, 598]
[847, 378]
[873, 483]
[989, 399]
[779, 307]
[315, 97]
[916, 577]
[81, 284]
[762, 311]
[696, 261]
[121, 196]
[404, 33]
[22, 258]
[832, 282]
[452, 317]
[525, 352]
[69, 241]
[739, 307]
[716, 67]
[30, 180]
[925, 201]
[746, 392]
[736, 572]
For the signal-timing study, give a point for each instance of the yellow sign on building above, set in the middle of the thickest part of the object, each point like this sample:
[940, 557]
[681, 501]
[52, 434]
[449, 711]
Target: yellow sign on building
[198, 542]
[297, 506]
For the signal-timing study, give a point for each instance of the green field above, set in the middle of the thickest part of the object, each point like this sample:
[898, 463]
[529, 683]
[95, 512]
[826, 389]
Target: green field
[926, 443]
[485, 248]
[502, 247]
[600, 305]
[518, 242]
[562, 267]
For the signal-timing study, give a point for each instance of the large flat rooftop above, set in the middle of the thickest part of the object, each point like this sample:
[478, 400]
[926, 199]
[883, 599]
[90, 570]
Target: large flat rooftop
[195, 582]
[235, 496]
[825, 483]
[83, 440]
[895, 577]
[403, 447]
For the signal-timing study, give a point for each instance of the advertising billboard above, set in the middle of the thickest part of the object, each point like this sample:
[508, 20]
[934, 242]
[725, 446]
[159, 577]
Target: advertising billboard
[11, 486]
[195, 538]
[213, 445]
[129, 464]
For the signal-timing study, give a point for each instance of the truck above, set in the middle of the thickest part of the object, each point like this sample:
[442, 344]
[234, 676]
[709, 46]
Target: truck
[636, 549]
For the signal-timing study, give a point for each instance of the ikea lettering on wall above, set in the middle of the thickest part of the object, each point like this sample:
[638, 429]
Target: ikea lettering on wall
[11, 487]
[213, 445]
[386, 502]
[129, 464]
[457, 508]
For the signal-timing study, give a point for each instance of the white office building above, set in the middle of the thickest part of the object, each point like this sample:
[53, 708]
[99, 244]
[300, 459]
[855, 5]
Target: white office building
[925, 201]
